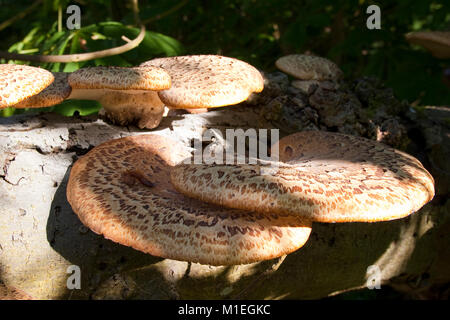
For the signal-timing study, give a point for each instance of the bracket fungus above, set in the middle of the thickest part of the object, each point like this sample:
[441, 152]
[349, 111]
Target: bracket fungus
[127, 94]
[207, 81]
[322, 176]
[20, 82]
[55, 93]
[121, 189]
[437, 42]
[307, 67]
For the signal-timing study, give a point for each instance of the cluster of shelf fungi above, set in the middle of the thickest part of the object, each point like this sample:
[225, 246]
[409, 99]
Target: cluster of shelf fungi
[139, 191]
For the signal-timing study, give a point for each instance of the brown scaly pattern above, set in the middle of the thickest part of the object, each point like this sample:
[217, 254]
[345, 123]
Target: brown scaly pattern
[323, 176]
[120, 78]
[121, 189]
[55, 93]
[11, 293]
[207, 81]
[19, 82]
[306, 67]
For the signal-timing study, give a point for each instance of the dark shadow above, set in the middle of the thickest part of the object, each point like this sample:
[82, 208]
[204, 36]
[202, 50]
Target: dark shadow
[97, 257]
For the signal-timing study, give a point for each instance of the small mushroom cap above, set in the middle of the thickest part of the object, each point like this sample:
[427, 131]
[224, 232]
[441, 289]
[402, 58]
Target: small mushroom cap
[323, 176]
[121, 189]
[437, 42]
[307, 67]
[145, 109]
[19, 82]
[55, 93]
[120, 78]
[207, 81]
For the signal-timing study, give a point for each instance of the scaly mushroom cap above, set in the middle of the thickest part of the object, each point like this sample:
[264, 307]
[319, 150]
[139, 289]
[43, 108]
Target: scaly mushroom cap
[120, 78]
[18, 82]
[126, 94]
[121, 189]
[55, 93]
[306, 67]
[437, 42]
[207, 81]
[323, 176]
[145, 109]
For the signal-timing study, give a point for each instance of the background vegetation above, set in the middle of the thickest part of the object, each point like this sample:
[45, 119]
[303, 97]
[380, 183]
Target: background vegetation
[255, 31]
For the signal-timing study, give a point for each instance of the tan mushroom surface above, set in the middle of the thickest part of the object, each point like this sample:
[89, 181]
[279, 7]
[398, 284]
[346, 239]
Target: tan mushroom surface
[308, 67]
[145, 109]
[19, 82]
[197, 111]
[121, 189]
[55, 93]
[323, 176]
[207, 81]
[120, 78]
[437, 42]
[128, 95]
[11, 293]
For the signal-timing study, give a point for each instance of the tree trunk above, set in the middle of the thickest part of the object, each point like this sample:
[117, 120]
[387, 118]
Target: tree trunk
[41, 236]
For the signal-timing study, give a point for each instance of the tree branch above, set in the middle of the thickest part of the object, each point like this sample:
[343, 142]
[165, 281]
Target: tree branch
[79, 56]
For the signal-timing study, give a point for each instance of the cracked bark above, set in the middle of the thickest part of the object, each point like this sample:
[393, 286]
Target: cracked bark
[38, 150]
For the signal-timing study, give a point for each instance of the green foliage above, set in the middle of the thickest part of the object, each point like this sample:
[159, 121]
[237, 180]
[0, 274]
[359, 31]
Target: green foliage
[256, 31]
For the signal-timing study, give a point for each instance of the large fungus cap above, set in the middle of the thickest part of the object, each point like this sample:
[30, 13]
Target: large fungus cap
[437, 42]
[307, 67]
[55, 93]
[121, 189]
[207, 81]
[323, 176]
[120, 78]
[19, 82]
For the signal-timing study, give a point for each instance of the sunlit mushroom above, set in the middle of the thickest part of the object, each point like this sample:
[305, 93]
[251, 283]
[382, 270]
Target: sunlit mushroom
[128, 95]
[323, 176]
[207, 81]
[55, 93]
[121, 189]
[19, 82]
